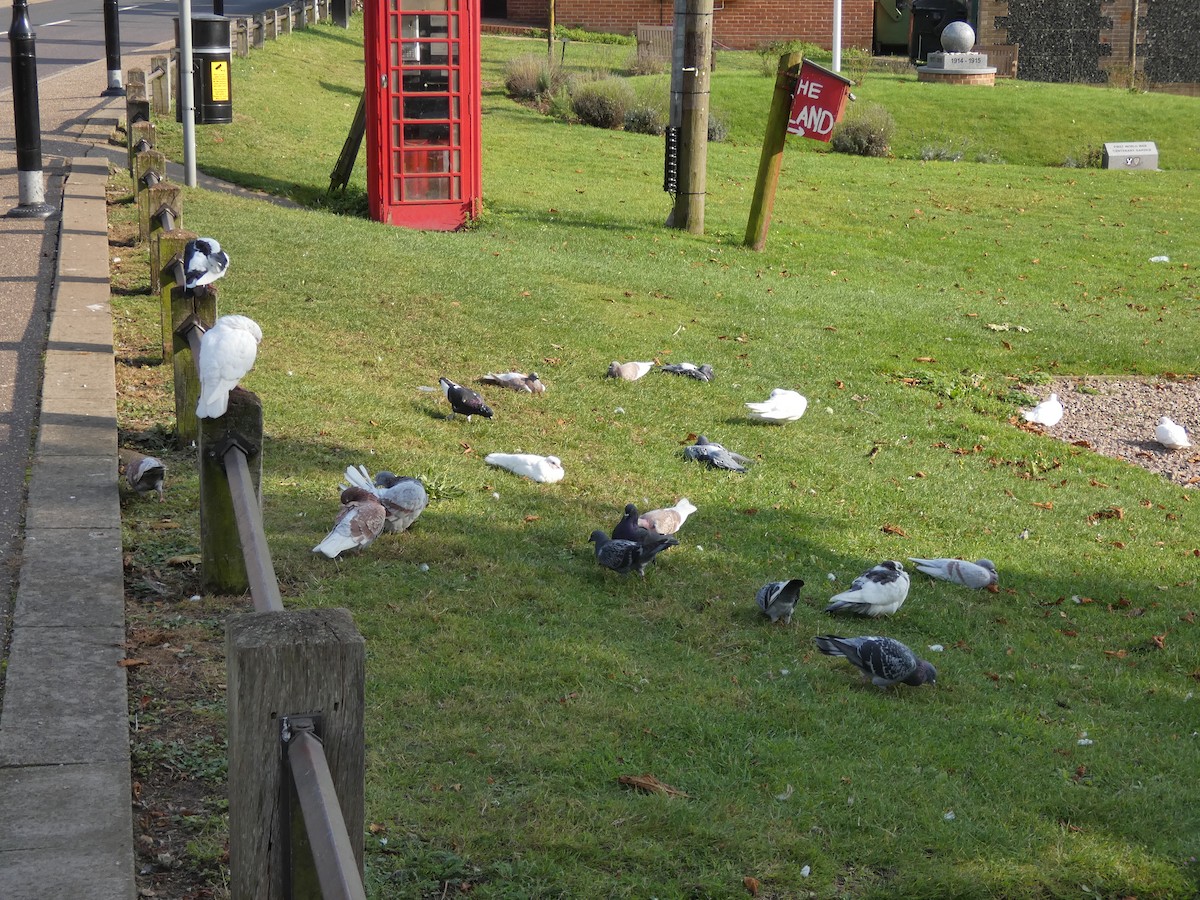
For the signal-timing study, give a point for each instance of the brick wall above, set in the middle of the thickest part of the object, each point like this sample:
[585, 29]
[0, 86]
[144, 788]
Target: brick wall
[740, 24]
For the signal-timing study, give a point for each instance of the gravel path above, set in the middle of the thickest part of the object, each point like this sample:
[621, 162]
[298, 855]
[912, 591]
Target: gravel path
[1116, 417]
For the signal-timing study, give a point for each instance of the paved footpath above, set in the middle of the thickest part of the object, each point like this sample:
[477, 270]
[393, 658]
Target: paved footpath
[66, 826]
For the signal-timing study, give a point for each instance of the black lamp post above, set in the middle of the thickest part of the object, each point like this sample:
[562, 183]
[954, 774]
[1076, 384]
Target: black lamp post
[112, 50]
[27, 118]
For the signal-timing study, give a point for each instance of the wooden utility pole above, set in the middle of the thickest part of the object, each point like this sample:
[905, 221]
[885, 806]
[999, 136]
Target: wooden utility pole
[771, 160]
[550, 31]
[693, 20]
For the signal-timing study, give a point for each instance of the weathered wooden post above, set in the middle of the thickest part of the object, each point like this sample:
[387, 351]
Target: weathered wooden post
[160, 85]
[260, 31]
[137, 111]
[284, 667]
[149, 170]
[694, 17]
[286, 12]
[771, 159]
[166, 214]
[222, 562]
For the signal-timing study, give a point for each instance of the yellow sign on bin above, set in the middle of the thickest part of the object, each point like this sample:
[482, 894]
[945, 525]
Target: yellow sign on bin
[218, 79]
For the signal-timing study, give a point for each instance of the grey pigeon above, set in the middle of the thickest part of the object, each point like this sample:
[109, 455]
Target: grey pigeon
[879, 591]
[625, 556]
[144, 473]
[778, 599]
[978, 574]
[516, 381]
[884, 660]
[464, 400]
[669, 519]
[358, 523]
[403, 499]
[691, 370]
[715, 455]
[203, 262]
[651, 542]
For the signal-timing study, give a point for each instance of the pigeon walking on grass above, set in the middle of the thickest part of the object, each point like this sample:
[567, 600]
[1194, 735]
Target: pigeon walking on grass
[781, 406]
[144, 473]
[778, 599]
[627, 556]
[628, 371]
[515, 381]
[691, 370]
[879, 591]
[1170, 435]
[463, 400]
[978, 574]
[227, 352]
[358, 523]
[715, 455]
[203, 262]
[1048, 413]
[403, 498]
[630, 529]
[883, 660]
[547, 469]
[669, 519]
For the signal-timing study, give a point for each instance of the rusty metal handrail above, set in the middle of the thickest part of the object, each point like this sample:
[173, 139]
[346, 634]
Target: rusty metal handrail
[337, 870]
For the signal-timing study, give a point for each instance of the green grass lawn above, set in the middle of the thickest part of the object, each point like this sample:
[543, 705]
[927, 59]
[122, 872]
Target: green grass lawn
[512, 681]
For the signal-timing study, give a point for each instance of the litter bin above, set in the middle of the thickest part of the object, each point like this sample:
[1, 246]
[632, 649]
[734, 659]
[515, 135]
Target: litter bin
[211, 58]
[929, 17]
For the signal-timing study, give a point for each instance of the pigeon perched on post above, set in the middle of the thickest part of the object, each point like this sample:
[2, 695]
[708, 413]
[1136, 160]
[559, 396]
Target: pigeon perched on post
[626, 556]
[1048, 413]
[547, 469]
[669, 519]
[879, 591]
[691, 370]
[227, 352]
[781, 406]
[978, 574]
[778, 599]
[143, 473]
[203, 262]
[358, 523]
[1170, 435]
[715, 455]
[629, 529]
[629, 371]
[463, 400]
[515, 381]
[403, 499]
[883, 660]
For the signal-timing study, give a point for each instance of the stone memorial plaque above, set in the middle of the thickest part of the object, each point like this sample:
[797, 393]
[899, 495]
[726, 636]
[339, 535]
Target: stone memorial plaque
[1139, 155]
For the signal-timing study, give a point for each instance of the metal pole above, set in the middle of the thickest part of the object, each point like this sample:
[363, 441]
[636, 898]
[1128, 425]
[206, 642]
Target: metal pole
[112, 49]
[187, 99]
[27, 118]
[837, 35]
[218, 7]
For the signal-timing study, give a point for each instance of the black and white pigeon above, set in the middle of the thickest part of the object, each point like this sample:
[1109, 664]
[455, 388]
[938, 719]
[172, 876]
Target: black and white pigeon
[691, 370]
[203, 262]
[359, 522]
[463, 400]
[778, 599]
[403, 498]
[883, 660]
[629, 529]
[515, 381]
[879, 591]
[143, 473]
[978, 574]
[715, 455]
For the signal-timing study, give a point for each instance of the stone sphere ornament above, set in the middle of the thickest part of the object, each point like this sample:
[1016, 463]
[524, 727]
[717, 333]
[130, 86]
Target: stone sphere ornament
[958, 37]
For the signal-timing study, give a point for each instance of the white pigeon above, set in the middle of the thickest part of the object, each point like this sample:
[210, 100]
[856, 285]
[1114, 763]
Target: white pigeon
[1049, 412]
[203, 262]
[782, 406]
[358, 523]
[978, 574]
[879, 591]
[547, 469]
[778, 599]
[630, 371]
[227, 352]
[669, 519]
[1170, 435]
[403, 499]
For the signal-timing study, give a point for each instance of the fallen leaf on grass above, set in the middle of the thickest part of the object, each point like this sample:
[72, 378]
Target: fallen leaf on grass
[129, 663]
[650, 785]
[1049, 504]
[1113, 512]
[187, 559]
[751, 884]
[894, 529]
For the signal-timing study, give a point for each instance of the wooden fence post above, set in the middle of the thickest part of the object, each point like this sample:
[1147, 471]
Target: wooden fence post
[282, 664]
[286, 13]
[160, 87]
[771, 159]
[149, 170]
[260, 31]
[137, 109]
[167, 197]
[222, 563]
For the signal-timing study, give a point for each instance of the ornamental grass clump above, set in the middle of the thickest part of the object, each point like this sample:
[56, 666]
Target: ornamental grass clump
[868, 133]
[603, 102]
[532, 78]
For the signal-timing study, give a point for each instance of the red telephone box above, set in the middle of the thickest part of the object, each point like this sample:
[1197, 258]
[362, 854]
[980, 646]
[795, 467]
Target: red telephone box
[423, 117]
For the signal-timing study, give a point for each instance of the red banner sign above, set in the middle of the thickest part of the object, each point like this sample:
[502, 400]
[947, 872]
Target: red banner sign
[818, 102]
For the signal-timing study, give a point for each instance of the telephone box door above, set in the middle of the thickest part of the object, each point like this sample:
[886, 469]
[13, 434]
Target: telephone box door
[423, 117]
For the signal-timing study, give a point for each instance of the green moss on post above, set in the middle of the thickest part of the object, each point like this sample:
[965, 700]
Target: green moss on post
[222, 563]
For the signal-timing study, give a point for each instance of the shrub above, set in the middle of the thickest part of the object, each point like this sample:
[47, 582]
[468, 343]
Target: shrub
[642, 118]
[939, 153]
[866, 133]
[531, 77]
[646, 64]
[718, 130]
[602, 103]
[1088, 158]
